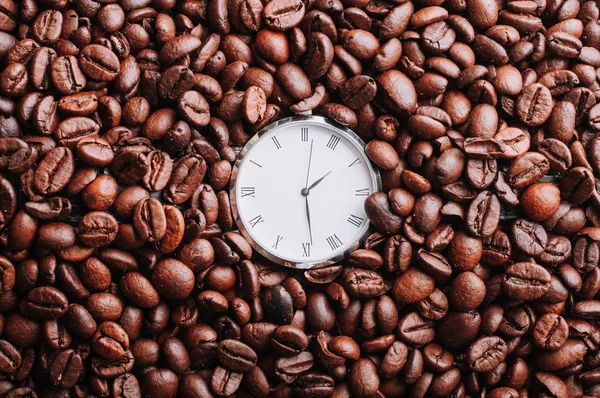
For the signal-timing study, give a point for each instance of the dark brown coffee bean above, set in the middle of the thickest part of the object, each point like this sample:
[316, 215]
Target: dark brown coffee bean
[529, 237]
[45, 303]
[187, 174]
[534, 105]
[110, 340]
[526, 281]
[486, 353]
[527, 169]
[483, 214]
[283, 14]
[66, 75]
[99, 63]
[10, 358]
[550, 332]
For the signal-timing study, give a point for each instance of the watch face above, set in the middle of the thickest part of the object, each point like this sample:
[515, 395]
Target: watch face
[299, 190]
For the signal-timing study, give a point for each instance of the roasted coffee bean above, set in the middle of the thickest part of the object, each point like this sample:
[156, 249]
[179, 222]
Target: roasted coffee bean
[97, 229]
[10, 359]
[527, 169]
[540, 201]
[67, 76]
[525, 281]
[45, 303]
[486, 353]
[529, 237]
[99, 63]
[534, 105]
[110, 340]
[54, 171]
[550, 332]
[483, 214]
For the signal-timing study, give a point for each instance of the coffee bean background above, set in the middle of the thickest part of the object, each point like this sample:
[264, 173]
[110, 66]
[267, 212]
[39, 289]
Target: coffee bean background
[121, 269]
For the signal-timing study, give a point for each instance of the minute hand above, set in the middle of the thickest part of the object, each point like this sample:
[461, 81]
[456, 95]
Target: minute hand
[314, 184]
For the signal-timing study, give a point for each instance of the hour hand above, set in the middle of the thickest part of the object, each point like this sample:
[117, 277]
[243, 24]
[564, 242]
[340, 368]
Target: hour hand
[314, 184]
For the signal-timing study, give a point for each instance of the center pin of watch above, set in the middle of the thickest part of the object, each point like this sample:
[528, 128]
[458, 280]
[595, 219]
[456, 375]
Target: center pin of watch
[304, 192]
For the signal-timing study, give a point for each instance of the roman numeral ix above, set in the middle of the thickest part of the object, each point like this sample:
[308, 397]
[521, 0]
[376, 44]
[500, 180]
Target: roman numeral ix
[256, 220]
[248, 191]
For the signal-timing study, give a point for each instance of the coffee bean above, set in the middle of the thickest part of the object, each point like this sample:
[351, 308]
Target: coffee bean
[529, 237]
[54, 171]
[99, 63]
[363, 283]
[526, 281]
[288, 368]
[550, 332]
[539, 201]
[97, 229]
[534, 105]
[110, 340]
[66, 75]
[10, 358]
[527, 169]
[45, 303]
[283, 15]
[65, 368]
[360, 372]
[172, 278]
[486, 353]
[380, 213]
[571, 352]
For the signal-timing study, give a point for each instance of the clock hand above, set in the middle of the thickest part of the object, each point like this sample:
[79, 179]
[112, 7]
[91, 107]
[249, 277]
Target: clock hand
[318, 181]
[308, 218]
[309, 162]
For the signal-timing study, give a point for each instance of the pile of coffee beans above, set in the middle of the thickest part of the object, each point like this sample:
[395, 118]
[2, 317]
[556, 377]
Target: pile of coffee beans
[122, 272]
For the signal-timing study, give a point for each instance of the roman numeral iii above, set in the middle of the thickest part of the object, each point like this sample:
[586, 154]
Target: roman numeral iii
[304, 134]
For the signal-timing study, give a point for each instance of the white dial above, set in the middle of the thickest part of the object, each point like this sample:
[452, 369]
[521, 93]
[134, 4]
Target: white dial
[299, 191]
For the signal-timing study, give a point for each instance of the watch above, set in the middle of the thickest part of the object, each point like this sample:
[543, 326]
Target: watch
[298, 189]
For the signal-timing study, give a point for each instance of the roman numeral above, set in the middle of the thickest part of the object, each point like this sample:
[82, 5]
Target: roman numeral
[256, 220]
[306, 250]
[333, 141]
[355, 220]
[248, 191]
[304, 134]
[362, 192]
[279, 238]
[276, 142]
[252, 161]
[355, 162]
[334, 242]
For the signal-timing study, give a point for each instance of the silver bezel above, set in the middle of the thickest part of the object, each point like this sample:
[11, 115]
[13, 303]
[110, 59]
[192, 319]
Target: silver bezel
[375, 176]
